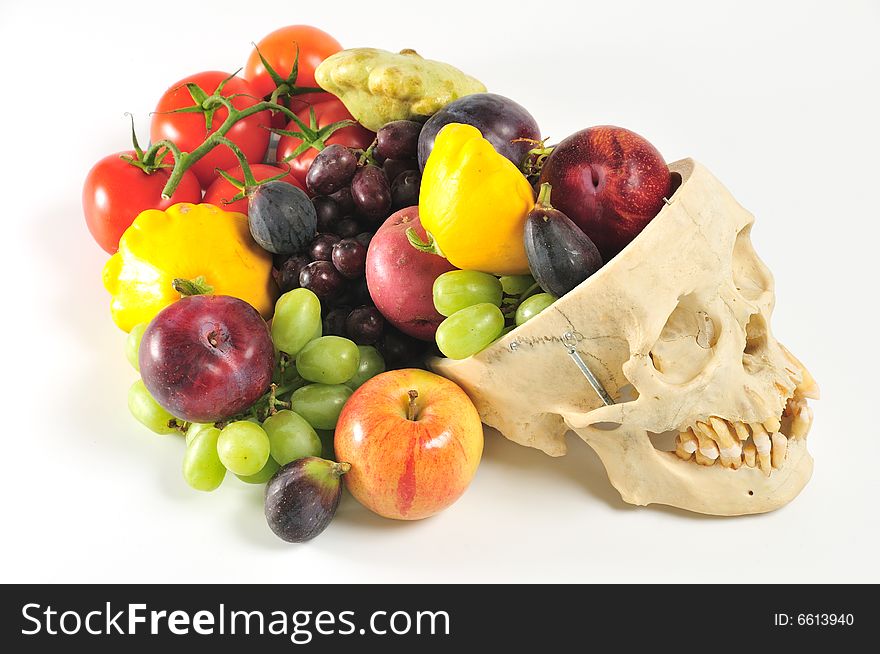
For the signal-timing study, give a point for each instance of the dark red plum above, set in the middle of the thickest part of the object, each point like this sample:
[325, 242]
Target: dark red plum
[500, 120]
[206, 358]
[611, 183]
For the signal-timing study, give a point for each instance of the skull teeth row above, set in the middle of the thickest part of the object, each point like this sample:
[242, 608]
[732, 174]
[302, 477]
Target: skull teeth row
[734, 444]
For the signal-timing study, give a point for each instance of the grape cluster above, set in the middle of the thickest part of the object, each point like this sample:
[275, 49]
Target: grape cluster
[354, 192]
[480, 308]
[312, 380]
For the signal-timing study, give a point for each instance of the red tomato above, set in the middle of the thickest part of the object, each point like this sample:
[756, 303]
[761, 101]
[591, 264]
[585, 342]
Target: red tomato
[279, 50]
[326, 113]
[115, 192]
[188, 130]
[221, 191]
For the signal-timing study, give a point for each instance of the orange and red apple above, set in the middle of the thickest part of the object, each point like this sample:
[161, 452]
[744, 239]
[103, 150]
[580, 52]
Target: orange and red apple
[414, 441]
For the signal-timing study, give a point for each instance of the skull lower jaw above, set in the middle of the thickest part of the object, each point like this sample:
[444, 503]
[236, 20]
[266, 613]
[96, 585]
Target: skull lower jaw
[706, 482]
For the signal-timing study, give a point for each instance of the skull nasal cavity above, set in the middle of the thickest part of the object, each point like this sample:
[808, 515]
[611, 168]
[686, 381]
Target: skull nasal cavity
[756, 336]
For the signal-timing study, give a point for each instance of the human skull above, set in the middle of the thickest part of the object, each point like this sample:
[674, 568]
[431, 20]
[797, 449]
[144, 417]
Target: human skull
[676, 328]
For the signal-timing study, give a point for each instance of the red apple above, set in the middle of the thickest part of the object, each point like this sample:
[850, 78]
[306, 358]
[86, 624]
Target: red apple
[207, 357]
[401, 278]
[414, 441]
[610, 181]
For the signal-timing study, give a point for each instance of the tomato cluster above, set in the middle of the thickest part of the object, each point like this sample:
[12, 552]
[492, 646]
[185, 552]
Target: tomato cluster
[281, 68]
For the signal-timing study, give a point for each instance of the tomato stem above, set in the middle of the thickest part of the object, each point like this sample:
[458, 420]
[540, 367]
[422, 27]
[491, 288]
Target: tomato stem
[183, 161]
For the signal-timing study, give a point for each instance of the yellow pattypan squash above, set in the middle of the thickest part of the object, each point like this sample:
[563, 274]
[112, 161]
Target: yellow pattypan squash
[474, 203]
[197, 243]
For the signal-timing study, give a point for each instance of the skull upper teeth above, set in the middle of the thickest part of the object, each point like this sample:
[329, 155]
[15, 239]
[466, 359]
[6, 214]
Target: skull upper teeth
[734, 444]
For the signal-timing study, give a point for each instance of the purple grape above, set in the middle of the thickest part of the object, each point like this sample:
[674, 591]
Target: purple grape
[288, 275]
[331, 170]
[371, 192]
[348, 227]
[321, 249]
[405, 189]
[398, 139]
[364, 238]
[328, 212]
[278, 260]
[350, 258]
[334, 321]
[364, 325]
[343, 199]
[360, 293]
[393, 167]
[322, 279]
[400, 350]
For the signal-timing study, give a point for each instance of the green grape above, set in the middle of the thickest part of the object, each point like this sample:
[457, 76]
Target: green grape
[202, 468]
[196, 428]
[147, 410]
[328, 360]
[243, 447]
[532, 306]
[263, 475]
[468, 331]
[328, 450]
[371, 364]
[458, 289]
[291, 437]
[297, 320]
[320, 404]
[133, 343]
[516, 284]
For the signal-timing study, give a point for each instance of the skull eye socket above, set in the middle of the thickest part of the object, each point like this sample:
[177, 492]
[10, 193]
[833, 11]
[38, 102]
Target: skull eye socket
[686, 343]
[750, 275]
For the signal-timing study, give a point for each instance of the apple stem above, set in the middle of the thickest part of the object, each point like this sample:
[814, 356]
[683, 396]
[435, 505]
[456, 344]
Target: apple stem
[544, 196]
[411, 408]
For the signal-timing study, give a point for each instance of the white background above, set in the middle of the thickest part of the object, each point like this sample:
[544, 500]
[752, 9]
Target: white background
[778, 99]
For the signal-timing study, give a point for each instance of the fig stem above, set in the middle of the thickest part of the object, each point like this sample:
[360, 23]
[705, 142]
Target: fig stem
[341, 468]
[411, 407]
[544, 196]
